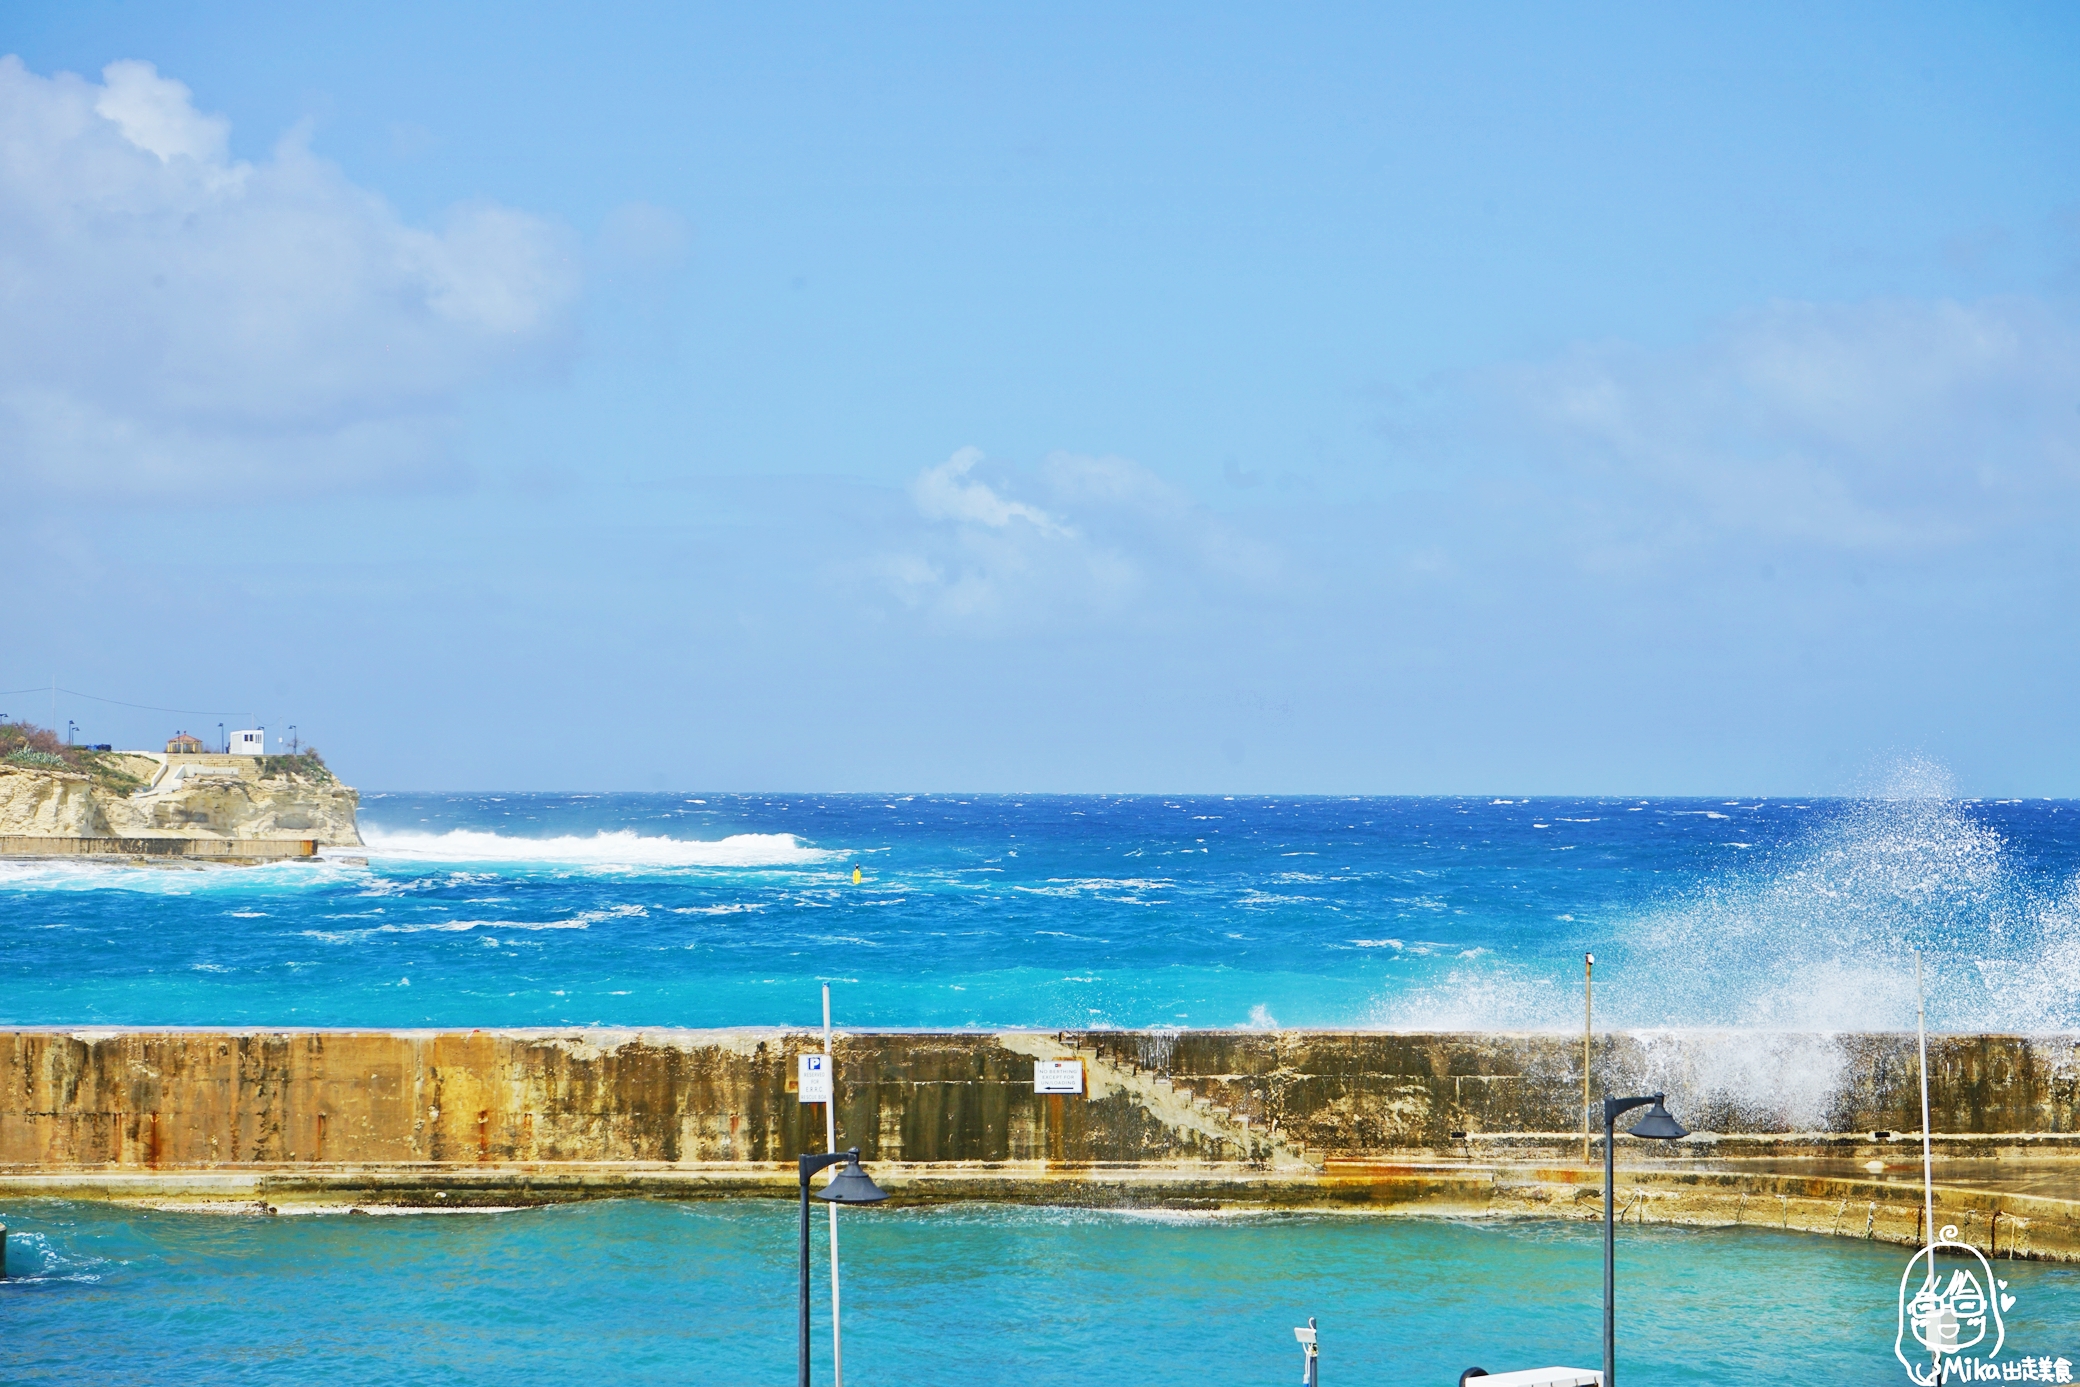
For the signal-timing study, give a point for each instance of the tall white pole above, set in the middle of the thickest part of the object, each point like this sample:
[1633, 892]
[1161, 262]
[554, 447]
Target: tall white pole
[830, 1143]
[1588, 1033]
[1928, 1164]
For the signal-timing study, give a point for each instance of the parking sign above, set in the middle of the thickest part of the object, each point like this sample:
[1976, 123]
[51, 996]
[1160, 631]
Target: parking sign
[813, 1078]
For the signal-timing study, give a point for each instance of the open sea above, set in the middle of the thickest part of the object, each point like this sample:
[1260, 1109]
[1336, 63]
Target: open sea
[1081, 911]
[982, 911]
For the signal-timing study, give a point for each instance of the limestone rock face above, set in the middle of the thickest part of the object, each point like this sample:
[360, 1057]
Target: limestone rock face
[182, 796]
[48, 803]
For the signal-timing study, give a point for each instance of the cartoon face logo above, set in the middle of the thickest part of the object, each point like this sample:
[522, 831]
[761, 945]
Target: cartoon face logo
[1948, 1306]
[1939, 1315]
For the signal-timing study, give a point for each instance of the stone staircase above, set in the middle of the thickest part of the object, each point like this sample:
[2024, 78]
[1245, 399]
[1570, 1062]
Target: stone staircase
[1144, 1072]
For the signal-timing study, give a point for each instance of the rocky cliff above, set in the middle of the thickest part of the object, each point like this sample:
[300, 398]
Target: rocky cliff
[135, 794]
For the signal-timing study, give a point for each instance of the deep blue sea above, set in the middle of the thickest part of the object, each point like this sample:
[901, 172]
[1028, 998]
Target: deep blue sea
[1081, 911]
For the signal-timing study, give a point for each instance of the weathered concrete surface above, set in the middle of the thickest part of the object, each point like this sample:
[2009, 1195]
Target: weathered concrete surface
[1367, 1120]
[201, 849]
[1336, 1091]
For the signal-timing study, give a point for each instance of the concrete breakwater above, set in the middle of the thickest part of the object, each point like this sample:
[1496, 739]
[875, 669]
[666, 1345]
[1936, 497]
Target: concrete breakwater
[1808, 1132]
[203, 849]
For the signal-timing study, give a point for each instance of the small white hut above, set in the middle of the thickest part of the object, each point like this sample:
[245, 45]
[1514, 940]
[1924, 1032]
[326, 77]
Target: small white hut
[252, 742]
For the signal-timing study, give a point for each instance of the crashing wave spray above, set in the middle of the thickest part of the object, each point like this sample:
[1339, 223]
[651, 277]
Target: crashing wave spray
[1735, 988]
[1819, 937]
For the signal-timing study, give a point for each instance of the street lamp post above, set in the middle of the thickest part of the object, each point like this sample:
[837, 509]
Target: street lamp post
[848, 1186]
[1657, 1125]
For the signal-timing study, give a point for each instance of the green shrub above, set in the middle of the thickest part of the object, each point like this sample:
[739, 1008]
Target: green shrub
[26, 744]
[109, 772]
[305, 765]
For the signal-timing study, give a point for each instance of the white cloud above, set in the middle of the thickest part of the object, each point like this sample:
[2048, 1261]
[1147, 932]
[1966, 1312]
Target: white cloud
[1883, 426]
[1109, 539]
[946, 492]
[154, 113]
[178, 321]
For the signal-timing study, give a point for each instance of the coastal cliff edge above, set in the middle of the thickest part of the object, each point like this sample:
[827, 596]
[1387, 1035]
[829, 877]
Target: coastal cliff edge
[138, 794]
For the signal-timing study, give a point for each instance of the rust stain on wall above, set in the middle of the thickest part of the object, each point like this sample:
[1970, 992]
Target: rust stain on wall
[1450, 1122]
[187, 1099]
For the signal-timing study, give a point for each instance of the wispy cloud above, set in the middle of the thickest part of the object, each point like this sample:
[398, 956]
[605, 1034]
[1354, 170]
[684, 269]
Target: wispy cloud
[179, 320]
[1105, 537]
[1891, 426]
[948, 492]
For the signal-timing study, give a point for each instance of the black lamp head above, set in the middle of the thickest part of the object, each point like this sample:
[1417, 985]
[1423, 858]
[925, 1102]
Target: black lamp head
[1659, 1124]
[851, 1186]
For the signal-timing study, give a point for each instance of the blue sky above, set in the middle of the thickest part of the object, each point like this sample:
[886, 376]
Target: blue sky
[1345, 400]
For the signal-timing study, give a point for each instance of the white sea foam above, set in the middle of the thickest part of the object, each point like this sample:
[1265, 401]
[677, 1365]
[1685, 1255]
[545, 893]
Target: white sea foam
[1820, 937]
[582, 920]
[1485, 995]
[1815, 937]
[1761, 1080]
[1071, 886]
[163, 879]
[617, 850]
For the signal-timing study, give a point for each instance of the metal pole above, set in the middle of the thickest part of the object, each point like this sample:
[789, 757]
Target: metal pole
[803, 1275]
[808, 1164]
[1588, 1015]
[1314, 1360]
[1928, 1165]
[830, 1143]
[1610, 1289]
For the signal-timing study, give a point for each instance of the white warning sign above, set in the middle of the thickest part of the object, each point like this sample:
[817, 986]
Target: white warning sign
[1057, 1076]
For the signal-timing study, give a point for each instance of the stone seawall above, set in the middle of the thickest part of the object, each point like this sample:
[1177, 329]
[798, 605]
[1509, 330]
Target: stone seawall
[1803, 1129]
[205, 849]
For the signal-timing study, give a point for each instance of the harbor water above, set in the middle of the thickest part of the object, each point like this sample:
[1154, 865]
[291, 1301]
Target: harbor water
[704, 1294]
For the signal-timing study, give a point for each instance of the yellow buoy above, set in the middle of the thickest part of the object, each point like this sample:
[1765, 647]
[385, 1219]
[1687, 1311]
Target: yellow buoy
[855, 876]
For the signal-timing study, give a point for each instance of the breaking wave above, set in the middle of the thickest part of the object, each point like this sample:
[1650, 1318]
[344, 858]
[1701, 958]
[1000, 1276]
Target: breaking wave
[1738, 990]
[621, 849]
[88, 874]
[1817, 936]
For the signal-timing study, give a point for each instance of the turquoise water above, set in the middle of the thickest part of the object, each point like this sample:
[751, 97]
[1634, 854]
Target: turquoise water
[657, 1293]
[477, 910]
[1081, 911]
